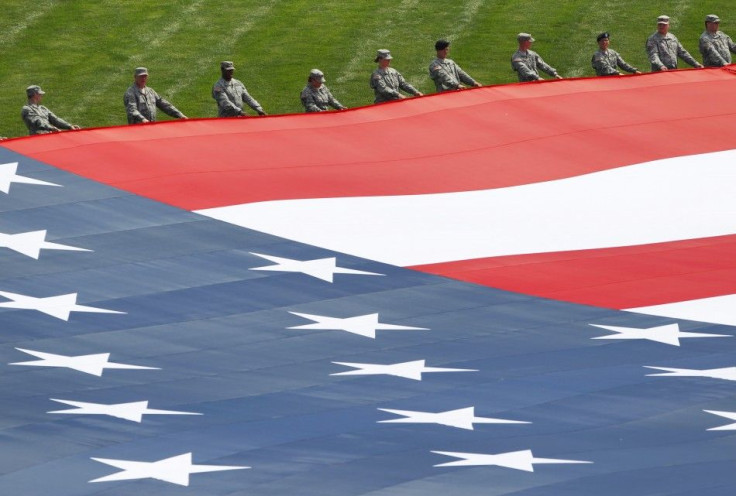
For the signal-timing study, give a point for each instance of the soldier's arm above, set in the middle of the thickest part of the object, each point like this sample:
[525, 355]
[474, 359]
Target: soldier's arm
[167, 108]
[404, 85]
[685, 55]
[465, 77]
[653, 54]
[624, 65]
[546, 67]
[332, 101]
[731, 44]
[131, 108]
[58, 121]
[252, 103]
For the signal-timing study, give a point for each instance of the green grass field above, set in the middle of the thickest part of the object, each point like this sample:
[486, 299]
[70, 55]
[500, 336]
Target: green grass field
[83, 52]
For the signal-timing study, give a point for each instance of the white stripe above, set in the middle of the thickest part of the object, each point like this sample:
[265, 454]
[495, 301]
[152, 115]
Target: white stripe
[717, 310]
[666, 200]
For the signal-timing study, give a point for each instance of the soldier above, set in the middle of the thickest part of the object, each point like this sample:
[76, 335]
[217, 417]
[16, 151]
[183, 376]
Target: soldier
[715, 46]
[445, 73]
[141, 101]
[315, 95]
[38, 118]
[387, 81]
[229, 93]
[606, 61]
[663, 48]
[528, 63]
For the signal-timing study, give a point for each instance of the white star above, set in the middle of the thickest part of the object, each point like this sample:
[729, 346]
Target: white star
[56, 306]
[31, 243]
[89, 364]
[175, 470]
[363, 325]
[726, 373]
[728, 415]
[408, 370]
[127, 411]
[463, 418]
[667, 334]
[518, 460]
[321, 268]
[8, 176]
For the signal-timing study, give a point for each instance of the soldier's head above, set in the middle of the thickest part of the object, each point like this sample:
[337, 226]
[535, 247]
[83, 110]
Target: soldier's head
[663, 24]
[34, 93]
[383, 57]
[712, 22]
[140, 75]
[316, 78]
[525, 41]
[443, 48]
[227, 68]
[603, 41]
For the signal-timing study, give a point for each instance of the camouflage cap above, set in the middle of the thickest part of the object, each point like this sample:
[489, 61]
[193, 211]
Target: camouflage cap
[441, 44]
[524, 37]
[712, 18]
[227, 65]
[34, 90]
[140, 71]
[383, 54]
[317, 74]
[602, 36]
[663, 19]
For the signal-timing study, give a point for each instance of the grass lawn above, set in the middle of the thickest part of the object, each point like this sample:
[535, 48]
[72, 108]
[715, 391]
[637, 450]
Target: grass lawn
[83, 52]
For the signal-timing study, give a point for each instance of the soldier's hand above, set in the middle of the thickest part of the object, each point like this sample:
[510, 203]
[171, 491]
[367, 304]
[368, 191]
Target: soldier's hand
[477, 85]
[557, 76]
[183, 117]
[401, 97]
[74, 126]
[664, 68]
[262, 112]
[637, 72]
[699, 66]
[419, 93]
[144, 120]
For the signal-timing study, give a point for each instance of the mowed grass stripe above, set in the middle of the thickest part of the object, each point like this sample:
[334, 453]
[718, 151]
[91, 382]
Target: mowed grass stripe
[82, 52]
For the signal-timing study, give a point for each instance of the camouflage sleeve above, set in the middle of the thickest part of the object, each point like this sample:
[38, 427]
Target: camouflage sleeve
[546, 67]
[525, 72]
[333, 101]
[166, 107]
[131, 107]
[685, 55]
[378, 83]
[309, 102]
[404, 85]
[251, 102]
[465, 77]
[624, 65]
[653, 53]
[441, 78]
[58, 121]
[223, 102]
[731, 44]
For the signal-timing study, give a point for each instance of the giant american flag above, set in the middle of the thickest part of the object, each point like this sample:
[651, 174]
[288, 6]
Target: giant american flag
[514, 290]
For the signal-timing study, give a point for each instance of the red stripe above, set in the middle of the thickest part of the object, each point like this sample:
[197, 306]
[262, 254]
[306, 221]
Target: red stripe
[476, 139]
[615, 277]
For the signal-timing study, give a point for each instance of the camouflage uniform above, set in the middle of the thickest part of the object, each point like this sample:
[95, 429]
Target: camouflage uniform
[528, 64]
[319, 99]
[606, 63]
[386, 84]
[230, 96]
[141, 103]
[716, 48]
[41, 120]
[447, 75]
[663, 51]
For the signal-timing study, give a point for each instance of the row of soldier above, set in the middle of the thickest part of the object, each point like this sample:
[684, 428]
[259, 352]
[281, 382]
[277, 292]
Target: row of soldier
[141, 102]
